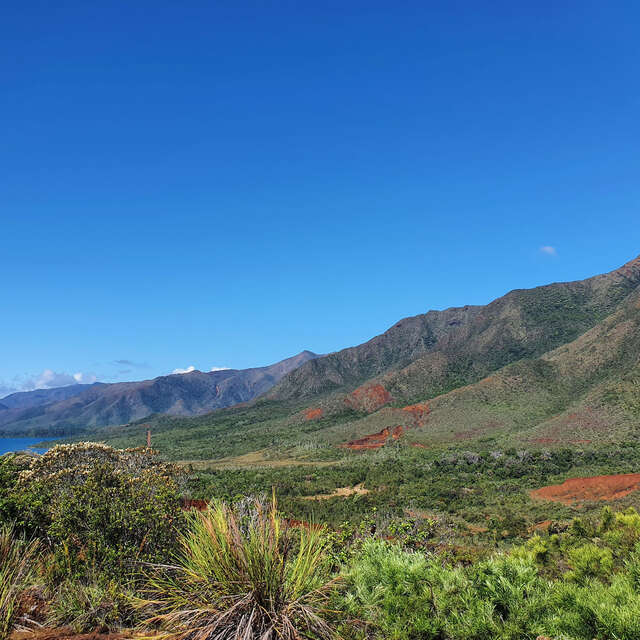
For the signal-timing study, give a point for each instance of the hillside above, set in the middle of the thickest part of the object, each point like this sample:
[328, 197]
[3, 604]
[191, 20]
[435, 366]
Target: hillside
[555, 365]
[113, 404]
[441, 350]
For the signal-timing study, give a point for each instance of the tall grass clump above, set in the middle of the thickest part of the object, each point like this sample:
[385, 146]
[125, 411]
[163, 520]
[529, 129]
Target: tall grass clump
[243, 573]
[17, 558]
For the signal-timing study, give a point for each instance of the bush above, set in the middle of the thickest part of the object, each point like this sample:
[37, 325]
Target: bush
[17, 559]
[410, 596]
[243, 573]
[595, 610]
[101, 509]
[589, 561]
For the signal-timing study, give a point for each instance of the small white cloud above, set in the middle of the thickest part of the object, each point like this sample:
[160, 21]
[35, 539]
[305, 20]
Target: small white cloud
[219, 368]
[84, 378]
[189, 369]
[548, 250]
[47, 379]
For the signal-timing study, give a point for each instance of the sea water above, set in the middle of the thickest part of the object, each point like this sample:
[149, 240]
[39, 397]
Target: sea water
[8, 445]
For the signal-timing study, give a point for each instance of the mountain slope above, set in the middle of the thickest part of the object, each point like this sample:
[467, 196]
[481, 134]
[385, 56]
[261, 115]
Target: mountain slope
[181, 394]
[441, 350]
[584, 391]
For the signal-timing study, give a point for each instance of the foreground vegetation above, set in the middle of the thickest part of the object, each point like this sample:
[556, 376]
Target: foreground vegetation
[99, 539]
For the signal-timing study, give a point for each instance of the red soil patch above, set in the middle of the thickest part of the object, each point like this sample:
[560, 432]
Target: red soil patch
[375, 440]
[417, 445]
[593, 488]
[418, 412]
[368, 398]
[540, 526]
[313, 414]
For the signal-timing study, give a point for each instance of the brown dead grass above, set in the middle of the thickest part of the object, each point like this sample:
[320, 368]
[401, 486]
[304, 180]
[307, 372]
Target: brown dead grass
[342, 492]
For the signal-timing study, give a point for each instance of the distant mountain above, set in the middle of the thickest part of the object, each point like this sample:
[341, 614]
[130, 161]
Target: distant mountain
[3, 406]
[120, 403]
[29, 399]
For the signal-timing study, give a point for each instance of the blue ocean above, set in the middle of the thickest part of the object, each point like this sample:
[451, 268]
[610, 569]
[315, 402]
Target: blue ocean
[20, 444]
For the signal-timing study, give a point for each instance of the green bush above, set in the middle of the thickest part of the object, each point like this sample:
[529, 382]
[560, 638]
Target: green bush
[595, 610]
[589, 561]
[101, 510]
[409, 596]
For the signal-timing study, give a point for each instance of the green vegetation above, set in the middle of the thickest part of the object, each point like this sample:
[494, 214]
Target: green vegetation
[245, 568]
[17, 559]
[243, 573]
[100, 509]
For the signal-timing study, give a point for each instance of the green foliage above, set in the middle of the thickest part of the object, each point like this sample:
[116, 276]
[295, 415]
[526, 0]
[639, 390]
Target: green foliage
[17, 558]
[410, 596]
[242, 573]
[589, 561]
[94, 605]
[101, 510]
[403, 595]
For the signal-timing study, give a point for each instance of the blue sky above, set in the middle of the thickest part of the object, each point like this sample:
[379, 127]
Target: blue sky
[227, 183]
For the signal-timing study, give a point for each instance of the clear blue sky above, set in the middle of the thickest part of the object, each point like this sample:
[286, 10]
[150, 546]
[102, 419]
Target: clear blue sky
[228, 183]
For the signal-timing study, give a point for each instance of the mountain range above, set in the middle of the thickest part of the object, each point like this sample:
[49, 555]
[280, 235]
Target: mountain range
[554, 365]
[67, 410]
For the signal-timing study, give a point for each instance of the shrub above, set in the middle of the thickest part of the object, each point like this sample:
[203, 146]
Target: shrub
[392, 590]
[595, 610]
[589, 561]
[17, 558]
[243, 573]
[101, 509]
[410, 596]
